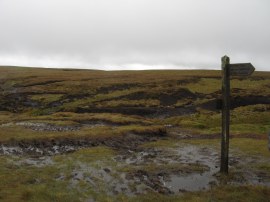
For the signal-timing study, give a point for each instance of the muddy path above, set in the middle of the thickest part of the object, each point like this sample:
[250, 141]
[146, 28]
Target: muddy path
[170, 170]
[135, 168]
[65, 145]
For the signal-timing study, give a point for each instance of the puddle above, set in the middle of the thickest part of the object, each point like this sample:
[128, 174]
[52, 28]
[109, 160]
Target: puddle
[37, 162]
[42, 126]
[9, 150]
[97, 123]
[47, 127]
[195, 181]
[102, 177]
[61, 149]
[34, 150]
[171, 182]
[39, 126]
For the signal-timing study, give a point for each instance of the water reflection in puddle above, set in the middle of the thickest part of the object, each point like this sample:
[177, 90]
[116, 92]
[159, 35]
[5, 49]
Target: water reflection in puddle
[102, 175]
[37, 162]
[195, 181]
[185, 155]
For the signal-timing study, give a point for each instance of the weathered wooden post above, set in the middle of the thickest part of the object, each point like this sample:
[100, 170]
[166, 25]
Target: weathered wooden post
[269, 140]
[225, 114]
[228, 70]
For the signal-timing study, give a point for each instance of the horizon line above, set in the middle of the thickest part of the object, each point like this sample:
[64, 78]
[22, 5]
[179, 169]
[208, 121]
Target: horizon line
[127, 69]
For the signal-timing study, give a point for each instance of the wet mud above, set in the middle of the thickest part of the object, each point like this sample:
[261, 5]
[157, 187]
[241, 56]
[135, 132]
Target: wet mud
[124, 86]
[150, 112]
[38, 83]
[194, 168]
[236, 101]
[137, 170]
[39, 126]
[67, 145]
[197, 168]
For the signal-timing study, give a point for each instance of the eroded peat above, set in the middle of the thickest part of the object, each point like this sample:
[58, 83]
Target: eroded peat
[130, 136]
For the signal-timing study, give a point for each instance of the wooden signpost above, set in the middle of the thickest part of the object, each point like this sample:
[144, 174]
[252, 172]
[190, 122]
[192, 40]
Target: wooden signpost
[241, 69]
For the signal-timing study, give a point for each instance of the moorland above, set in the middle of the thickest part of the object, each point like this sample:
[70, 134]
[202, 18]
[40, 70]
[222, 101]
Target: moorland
[154, 135]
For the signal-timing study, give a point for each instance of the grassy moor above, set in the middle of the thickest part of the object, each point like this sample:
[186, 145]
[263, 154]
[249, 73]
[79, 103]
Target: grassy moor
[153, 135]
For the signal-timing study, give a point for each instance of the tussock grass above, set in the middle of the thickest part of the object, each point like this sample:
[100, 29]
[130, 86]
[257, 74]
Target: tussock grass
[46, 98]
[251, 147]
[20, 133]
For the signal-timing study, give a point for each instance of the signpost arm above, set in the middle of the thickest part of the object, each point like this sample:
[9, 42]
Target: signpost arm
[225, 114]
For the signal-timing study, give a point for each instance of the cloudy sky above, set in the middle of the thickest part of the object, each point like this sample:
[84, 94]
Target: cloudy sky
[134, 34]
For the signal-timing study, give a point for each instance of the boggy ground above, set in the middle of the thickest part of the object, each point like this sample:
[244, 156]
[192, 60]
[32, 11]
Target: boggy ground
[130, 136]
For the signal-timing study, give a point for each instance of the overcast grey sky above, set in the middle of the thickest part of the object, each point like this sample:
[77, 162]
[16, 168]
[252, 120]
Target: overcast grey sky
[134, 34]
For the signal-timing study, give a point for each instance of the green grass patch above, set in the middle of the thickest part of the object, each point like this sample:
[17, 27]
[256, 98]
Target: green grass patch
[88, 155]
[29, 183]
[46, 98]
[253, 86]
[19, 133]
[205, 85]
[254, 119]
[251, 146]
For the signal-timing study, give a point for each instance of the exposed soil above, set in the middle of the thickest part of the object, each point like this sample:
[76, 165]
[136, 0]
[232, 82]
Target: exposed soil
[249, 100]
[183, 177]
[124, 86]
[38, 83]
[142, 111]
[166, 98]
[176, 179]
[191, 168]
[167, 170]
[187, 81]
[38, 126]
[70, 98]
[64, 145]
[17, 102]
[132, 168]
[237, 101]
